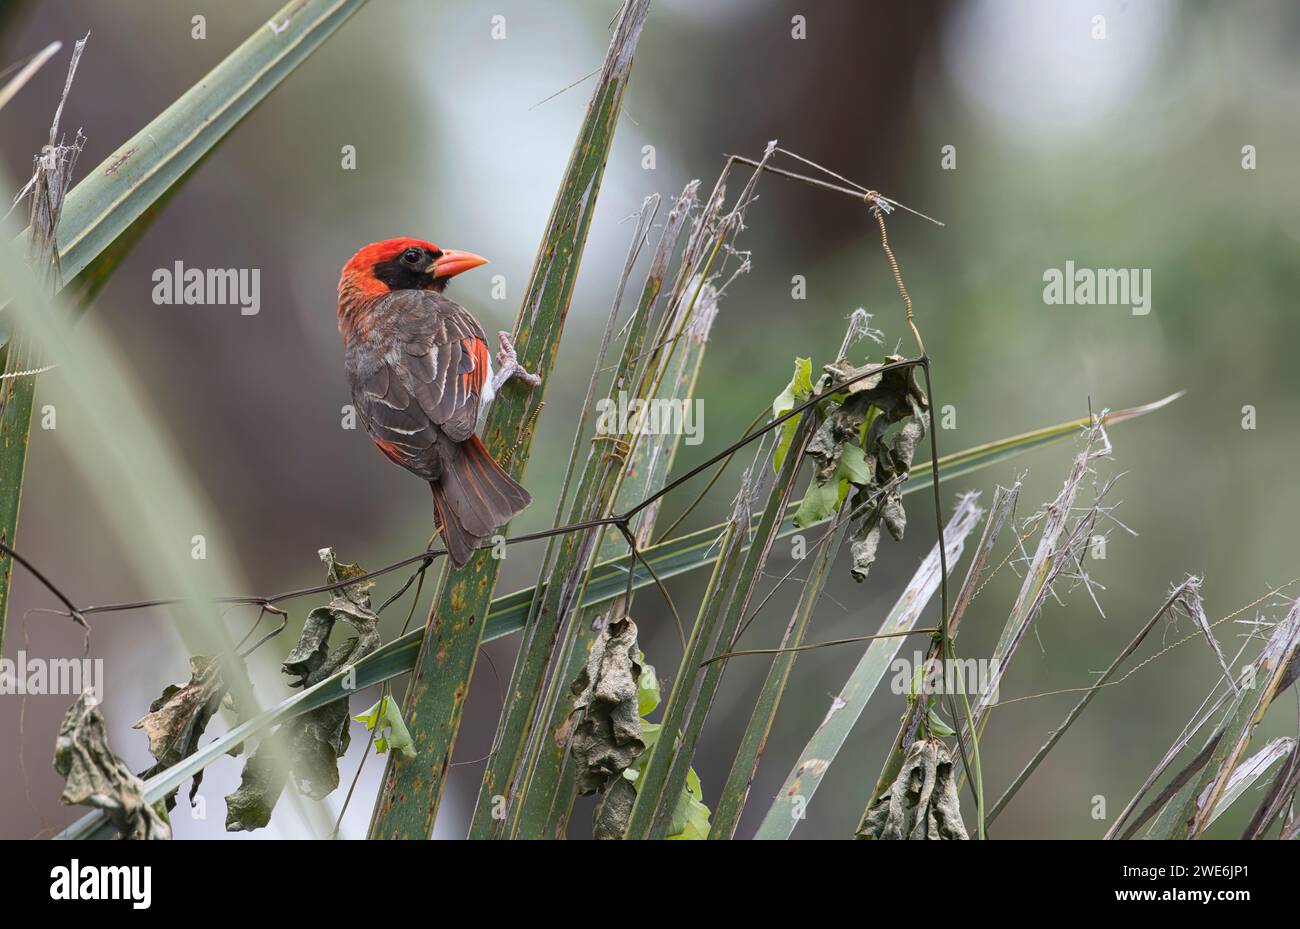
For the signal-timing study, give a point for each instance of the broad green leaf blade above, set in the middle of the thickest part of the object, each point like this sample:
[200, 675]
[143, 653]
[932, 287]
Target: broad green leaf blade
[551, 785]
[728, 629]
[16, 398]
[981, 456]
[745, 765]
[116, 196]
[656, 764]
[721, 616]
[44, 197]
[134, 465]
[412, 790]
[127, 182]
[824, 745]
[565, 567]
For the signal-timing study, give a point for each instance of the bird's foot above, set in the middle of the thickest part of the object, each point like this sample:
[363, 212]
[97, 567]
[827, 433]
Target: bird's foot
[508, 365]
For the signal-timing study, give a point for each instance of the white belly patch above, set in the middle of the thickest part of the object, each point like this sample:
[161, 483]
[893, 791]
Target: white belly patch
[488, 393]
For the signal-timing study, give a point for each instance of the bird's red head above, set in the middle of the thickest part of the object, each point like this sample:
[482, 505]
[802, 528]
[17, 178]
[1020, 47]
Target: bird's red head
[402, 264]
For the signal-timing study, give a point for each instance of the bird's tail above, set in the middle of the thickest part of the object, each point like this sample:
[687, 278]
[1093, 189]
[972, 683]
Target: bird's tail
[473, 497]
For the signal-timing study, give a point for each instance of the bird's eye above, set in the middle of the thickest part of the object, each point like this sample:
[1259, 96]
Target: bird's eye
[411, 255]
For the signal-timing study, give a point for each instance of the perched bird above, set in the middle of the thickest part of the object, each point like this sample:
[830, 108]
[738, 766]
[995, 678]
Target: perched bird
[419, 367]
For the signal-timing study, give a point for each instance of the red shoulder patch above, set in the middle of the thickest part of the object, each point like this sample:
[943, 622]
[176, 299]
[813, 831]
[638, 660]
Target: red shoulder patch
[473, 380]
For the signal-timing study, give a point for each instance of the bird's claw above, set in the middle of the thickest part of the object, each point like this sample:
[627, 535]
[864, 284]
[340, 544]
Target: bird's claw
[507, 354]
[509, 365]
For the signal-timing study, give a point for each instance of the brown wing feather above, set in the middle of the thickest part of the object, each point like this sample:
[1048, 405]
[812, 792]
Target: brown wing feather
[417, 375]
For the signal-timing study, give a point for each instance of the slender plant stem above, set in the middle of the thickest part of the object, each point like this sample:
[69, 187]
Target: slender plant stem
[945, 631]
[813, 645]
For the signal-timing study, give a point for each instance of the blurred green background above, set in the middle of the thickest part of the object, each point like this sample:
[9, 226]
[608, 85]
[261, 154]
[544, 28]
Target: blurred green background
[1121, 152]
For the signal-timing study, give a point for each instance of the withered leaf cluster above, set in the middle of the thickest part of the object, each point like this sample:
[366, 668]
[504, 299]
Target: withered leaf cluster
[605, 725]
[96, 777]
[177, 719]
[311, 743]
[877, 461]
[922, 802]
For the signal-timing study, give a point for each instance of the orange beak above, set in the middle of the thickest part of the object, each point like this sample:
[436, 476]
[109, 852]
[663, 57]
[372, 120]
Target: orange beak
[453, 262]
